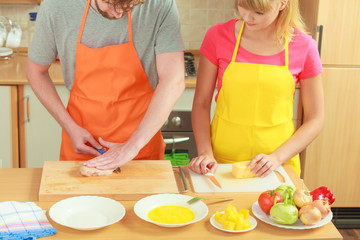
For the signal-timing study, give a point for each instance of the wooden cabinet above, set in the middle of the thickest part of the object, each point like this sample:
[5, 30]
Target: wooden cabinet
[8, 127]
[332, 159]
[340, 21]
[40, 134]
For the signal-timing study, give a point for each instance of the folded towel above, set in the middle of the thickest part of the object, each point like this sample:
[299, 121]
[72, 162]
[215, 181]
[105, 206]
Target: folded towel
[23, 221]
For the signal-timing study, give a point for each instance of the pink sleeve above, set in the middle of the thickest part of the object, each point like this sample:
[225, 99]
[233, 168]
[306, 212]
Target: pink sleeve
[312, 64]
[208, 46]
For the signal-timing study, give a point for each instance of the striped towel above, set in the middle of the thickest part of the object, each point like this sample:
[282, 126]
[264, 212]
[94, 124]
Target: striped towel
[23, 221]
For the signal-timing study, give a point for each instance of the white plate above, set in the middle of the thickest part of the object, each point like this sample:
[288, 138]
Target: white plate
[87, 212]
[297, 225]
[219, 226]
[4, 51]
[143, 206]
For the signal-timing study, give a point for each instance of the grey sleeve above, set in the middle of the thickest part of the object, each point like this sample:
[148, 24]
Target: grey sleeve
[168, 37]
[42, 49]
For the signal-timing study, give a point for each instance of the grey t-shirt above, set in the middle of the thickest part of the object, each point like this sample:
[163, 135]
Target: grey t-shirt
[155, 26]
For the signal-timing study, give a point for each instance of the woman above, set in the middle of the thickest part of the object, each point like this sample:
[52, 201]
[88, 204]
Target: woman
[258, 60]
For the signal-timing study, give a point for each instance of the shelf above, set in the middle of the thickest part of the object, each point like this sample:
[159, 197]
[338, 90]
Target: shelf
[20, 1]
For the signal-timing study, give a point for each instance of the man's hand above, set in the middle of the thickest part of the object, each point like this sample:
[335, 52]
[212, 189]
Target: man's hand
[81, 139]
[117, 155]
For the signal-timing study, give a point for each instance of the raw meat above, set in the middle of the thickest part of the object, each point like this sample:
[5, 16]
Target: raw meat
[91, 172]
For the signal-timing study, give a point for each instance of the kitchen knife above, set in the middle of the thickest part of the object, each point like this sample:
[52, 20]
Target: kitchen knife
[210, 175]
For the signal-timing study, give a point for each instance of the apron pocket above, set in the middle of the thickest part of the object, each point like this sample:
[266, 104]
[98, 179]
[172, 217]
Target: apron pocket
[231, 142]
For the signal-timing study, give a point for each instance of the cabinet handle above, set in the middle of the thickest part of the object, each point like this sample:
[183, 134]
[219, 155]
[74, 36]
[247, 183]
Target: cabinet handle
[27, 109]
[318, 29]
[176, 140]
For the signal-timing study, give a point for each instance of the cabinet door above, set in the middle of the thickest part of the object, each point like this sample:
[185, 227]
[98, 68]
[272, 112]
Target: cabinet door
[8, 127]
[332, 160]
[42, 132]
[341, 31]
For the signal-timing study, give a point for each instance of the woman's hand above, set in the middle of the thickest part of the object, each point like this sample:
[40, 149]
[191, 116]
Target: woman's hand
[117, 155]
[264, 164]
[200, 163]
[81, 139]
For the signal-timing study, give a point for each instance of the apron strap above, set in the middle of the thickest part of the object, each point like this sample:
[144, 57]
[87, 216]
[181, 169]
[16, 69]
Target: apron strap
[129, 26]
[83, 21]
[286, 51]
[237, 43]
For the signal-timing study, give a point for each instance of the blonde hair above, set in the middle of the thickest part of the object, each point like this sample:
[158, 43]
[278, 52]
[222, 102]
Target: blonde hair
[287, 19]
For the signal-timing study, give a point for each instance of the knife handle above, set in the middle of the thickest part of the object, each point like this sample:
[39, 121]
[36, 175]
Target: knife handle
[209, 172]
[100, 150]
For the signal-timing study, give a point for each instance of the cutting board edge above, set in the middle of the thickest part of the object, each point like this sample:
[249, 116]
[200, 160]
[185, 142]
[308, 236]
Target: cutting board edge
[117, 197]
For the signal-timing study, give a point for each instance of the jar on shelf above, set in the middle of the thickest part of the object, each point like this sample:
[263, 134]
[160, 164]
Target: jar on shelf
[31, 25]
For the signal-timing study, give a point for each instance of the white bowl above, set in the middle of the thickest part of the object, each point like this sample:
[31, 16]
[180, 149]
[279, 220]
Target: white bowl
[143, 207]
[87, 212]
[4, 51]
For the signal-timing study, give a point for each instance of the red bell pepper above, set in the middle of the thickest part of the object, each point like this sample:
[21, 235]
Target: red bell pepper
[323, 193]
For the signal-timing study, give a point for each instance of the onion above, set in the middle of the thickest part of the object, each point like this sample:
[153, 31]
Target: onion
[309, 215]
[302, 198]
[323, 206]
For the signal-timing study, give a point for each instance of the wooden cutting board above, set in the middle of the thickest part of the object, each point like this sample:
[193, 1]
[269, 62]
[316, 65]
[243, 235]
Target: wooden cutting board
[137, 179]
[223, 174]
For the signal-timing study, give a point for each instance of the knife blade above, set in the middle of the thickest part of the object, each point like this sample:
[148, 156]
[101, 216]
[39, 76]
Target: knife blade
[211, 176]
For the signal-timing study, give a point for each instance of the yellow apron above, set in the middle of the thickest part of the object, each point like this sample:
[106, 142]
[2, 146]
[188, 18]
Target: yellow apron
[254, 111]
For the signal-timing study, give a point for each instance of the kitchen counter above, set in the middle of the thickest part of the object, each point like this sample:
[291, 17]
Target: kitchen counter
[23, 185]
[12, 72]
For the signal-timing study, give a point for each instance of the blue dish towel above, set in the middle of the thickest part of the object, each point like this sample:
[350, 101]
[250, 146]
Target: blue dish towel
[23, 221]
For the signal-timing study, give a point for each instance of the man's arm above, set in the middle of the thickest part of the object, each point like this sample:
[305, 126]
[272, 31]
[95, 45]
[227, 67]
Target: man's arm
[170, 67]
[44, 89]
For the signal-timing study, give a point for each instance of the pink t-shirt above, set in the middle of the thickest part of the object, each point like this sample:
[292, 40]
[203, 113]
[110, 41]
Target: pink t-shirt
[219, 44]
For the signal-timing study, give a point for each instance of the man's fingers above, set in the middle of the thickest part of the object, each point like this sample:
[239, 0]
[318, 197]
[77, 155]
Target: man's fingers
[93, 142]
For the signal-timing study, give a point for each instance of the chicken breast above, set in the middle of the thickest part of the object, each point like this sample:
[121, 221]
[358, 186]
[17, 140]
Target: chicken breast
[91, 172]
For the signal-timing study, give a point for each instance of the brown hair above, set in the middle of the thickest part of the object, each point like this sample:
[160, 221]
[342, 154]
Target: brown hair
[288, 18]
[125, 5]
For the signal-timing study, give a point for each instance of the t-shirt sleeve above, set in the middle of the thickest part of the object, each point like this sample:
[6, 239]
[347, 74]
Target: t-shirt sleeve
[312, 64]
[42, 49]
[208, 46]
[168, 37]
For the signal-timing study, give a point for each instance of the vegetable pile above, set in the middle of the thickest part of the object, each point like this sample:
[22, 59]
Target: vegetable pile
[286, 204]
[232, 219]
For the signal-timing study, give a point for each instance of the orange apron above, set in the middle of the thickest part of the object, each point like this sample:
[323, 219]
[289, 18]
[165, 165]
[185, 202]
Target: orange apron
[254, 110]
[110, 96]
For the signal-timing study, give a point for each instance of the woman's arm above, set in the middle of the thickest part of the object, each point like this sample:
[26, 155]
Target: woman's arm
[205, 86]
[312, 98]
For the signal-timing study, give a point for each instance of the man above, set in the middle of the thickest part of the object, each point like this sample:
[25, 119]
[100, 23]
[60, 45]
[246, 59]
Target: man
[123, 62]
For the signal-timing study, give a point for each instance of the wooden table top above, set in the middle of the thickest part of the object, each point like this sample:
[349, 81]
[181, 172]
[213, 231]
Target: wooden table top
[23, 185]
